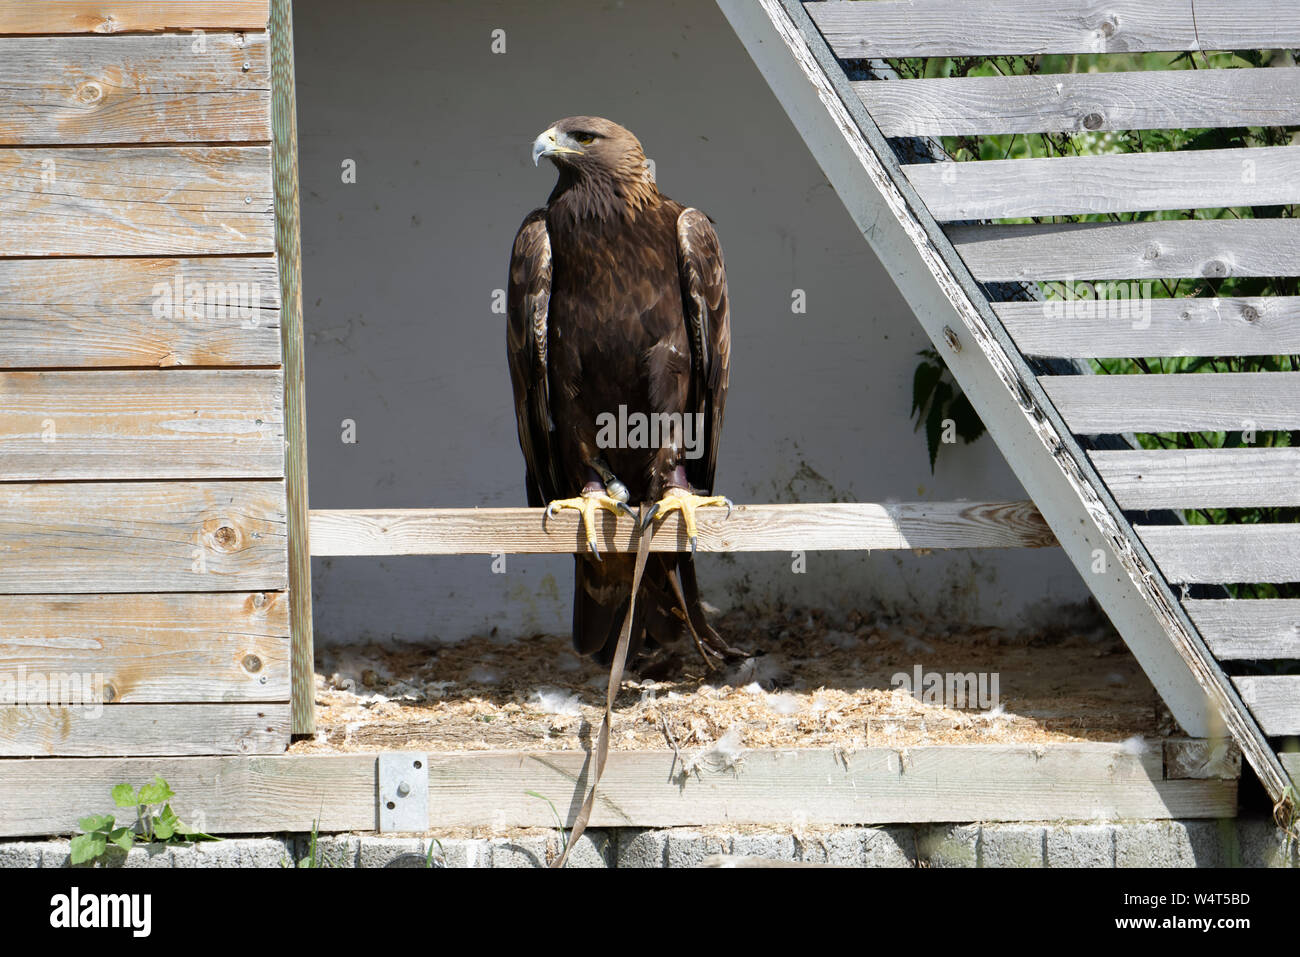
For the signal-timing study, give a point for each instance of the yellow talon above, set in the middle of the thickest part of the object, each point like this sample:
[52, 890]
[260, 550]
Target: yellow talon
[681, 500]
[586, 504]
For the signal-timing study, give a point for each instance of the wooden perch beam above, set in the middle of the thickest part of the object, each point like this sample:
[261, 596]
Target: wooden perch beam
[751, 528]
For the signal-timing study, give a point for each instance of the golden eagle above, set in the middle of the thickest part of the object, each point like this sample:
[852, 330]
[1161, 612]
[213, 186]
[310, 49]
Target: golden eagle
[620, 344]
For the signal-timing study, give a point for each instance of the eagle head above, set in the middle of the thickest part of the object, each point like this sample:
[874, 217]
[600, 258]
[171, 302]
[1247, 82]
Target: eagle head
[596, 153]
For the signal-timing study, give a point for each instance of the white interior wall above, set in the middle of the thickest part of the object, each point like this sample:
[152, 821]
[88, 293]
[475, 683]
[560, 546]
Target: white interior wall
[399, 271]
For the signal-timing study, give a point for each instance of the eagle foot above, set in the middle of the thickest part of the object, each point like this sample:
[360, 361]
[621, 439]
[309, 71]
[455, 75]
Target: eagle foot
[587, 503]
[685, 501]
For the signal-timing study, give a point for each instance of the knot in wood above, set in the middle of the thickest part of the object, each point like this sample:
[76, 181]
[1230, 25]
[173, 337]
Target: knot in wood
[1250, 314]
[109, 693]
[1093, 121]
[950, 337]
[1215, 269]
[225, 536]
[1151, 252]
[1108, 27]
[252, 663]
[90, 92]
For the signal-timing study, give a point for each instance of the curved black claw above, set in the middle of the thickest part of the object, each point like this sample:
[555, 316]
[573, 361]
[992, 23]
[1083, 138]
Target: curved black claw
[694, 540]
[650, 516]
[628, 510]
[591, 543]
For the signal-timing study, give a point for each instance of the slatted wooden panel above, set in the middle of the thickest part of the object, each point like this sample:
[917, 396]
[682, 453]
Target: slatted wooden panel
[123, 16]
[1259, 628]
[1174, 249]
[143, 528]
[1125, 321]
[79, 313]
[147, 89]
[905, 28]
[1109, 183]
[1201, 478]
[1126, 324]
[1084, 102]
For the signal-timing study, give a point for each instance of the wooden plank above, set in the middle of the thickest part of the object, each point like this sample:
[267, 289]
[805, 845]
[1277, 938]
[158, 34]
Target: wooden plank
[226, 795]
[1108, 183]
[1188, 402]
[288, 253]
[220, 795]
[1124, 322]
[155, 423]
[123, 16]
[1225, 553]
[1274, 700]
[77, 313]
[143, 729]
[154, 201]
[870, 786]
[1201, 759]
[1169, 249]
[1201, 478]
[851, 526]
[898, 28]
[146, 89]
[1083, 102]
[93, 537]
[146, 648]
[1268, 628]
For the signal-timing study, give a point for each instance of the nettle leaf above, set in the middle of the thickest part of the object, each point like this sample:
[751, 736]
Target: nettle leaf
[156, 793]
[124, 796]
[87, 847]
[969, 425]
[923, 382]
[96, 822]
[123, 837]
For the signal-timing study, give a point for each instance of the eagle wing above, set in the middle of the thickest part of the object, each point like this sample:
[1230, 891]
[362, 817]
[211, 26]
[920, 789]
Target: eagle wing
[527, 302]
[708, 321]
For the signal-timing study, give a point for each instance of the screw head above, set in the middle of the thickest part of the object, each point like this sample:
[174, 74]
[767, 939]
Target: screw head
[403, 789]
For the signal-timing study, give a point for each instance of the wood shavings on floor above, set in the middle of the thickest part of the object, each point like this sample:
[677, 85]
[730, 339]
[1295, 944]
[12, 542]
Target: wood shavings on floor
[807, 684]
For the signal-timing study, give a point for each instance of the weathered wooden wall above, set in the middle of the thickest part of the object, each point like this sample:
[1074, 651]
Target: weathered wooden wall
[143, 516]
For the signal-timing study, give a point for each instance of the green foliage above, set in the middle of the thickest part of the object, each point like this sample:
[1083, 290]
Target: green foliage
[936, 400]
[155, 822]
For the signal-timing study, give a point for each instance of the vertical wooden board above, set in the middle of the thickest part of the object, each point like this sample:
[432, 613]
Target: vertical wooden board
[80, 313]
[122, 16]
[148, 89]
[85, 538]
[150, 201]
[145, 648]
[155, 423]
[87, 730]
[288, 250]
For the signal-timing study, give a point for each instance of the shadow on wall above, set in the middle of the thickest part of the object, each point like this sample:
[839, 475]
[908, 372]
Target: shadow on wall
[431, 110]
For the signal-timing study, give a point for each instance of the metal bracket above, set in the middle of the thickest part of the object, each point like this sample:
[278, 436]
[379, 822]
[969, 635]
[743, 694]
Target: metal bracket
[403, 782]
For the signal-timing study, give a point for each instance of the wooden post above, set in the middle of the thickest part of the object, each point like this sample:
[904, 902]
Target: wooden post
[288, 250]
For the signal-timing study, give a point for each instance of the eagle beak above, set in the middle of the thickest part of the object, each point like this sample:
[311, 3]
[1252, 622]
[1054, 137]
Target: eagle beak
[548, 144]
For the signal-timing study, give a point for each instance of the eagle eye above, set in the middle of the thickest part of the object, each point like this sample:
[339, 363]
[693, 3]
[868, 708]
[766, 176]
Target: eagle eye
[584, 139]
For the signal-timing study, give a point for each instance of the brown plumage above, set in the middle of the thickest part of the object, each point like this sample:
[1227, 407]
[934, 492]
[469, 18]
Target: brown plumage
[617, 298]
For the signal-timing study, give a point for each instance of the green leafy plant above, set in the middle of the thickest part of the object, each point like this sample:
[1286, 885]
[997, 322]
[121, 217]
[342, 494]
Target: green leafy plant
[939, 404]
[155, 823]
